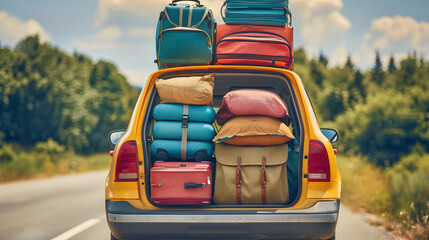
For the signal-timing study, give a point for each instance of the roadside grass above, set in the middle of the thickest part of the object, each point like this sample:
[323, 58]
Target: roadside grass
[399, 194]
[363, 184]
[17, 163]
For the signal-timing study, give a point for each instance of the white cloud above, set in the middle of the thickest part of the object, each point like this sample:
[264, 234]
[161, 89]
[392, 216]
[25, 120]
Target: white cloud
[147, 10]
[139, 8]
[319, 21]
[399, 32]
[396, 36]
[105, 39]
[322, 27]
[136, 78]
[13, 29]
[146, 32]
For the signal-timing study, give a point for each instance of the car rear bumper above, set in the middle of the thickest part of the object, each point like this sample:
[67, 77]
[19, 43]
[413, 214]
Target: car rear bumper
[317, 222]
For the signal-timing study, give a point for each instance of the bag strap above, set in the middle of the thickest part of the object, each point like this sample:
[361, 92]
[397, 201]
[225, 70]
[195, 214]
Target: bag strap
[238, 180]
[168, 17]
[289, 15]
[221, 11]
[181, 17]
[196, 1]
[185, 119]
[202, 19]
[189, 17]
[264, 180]
[191, 9]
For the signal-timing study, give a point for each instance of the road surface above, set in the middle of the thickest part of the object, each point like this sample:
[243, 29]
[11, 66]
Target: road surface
[72, 207]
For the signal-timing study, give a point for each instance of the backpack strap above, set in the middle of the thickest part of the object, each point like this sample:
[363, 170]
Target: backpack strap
[202, 19]
[264, 180]
[181, 17]
[238, 181]
[191, 8]
[185, 119]
[168, 17]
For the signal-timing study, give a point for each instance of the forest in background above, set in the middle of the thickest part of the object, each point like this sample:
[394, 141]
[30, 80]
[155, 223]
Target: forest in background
[70, 99]
[383, 118]
[55, 105]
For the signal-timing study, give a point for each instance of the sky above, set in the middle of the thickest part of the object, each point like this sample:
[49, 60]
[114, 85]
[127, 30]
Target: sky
[123, 31]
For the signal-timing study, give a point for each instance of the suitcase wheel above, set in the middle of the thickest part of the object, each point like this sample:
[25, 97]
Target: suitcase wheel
[161, 154]
[201, 155]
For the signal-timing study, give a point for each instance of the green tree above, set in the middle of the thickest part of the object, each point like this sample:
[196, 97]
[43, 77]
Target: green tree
[377, 71]
[349, 63]
[333, 105]
[323, 59]
[391, 68]
[385, 128]
[357, 89]
[300, 56]
[316, 73]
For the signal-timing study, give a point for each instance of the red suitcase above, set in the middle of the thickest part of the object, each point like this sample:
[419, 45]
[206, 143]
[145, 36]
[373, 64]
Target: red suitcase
[181, 183]
[254, 45]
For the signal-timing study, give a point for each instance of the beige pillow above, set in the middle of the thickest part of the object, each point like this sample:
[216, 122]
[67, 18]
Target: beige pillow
[197, 90]
[254, 131]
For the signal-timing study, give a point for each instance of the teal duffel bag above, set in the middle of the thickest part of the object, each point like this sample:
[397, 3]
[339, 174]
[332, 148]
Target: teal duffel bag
[197, 131]
[185, 35]
[261, 12]
[174, 112]
[169, 150]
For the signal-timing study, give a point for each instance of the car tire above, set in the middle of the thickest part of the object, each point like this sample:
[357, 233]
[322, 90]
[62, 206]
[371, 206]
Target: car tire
[112, 237]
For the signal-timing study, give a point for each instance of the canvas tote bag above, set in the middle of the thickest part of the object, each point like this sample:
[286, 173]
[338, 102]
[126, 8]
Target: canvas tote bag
[251, 175]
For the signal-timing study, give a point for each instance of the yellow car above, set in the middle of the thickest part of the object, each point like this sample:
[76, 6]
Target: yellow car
[311, 214]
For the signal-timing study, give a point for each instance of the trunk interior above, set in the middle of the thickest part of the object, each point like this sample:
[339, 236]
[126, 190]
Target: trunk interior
[226, 81]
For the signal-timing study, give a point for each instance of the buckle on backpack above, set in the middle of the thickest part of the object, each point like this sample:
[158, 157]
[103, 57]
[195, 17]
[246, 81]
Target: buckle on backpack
[185, 120]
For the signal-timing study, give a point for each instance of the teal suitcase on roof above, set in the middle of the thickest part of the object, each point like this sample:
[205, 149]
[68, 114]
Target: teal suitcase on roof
[185, 35]
[257, 12]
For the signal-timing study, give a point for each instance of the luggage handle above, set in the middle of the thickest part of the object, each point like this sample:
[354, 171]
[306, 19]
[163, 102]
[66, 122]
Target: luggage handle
[196, 1]
[221, 11]
[188, 185]
[288, 13]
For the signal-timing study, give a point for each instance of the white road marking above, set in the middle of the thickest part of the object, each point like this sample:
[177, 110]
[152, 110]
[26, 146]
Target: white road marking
[78, 229]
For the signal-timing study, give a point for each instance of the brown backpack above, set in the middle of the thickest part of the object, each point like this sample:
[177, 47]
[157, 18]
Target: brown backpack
[251, 175]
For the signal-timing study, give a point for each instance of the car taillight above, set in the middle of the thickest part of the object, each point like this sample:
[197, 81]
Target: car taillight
[127, 162]
[318, 163]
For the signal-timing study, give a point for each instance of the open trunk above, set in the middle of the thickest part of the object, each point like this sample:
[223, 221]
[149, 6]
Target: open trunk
[226, 81]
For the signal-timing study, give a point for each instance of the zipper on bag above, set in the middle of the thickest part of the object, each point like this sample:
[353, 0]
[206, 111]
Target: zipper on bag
[246, 36]
[184, 30]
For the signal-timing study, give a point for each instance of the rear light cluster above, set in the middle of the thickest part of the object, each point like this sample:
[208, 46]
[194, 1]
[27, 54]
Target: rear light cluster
[127, 163]
[318, 163]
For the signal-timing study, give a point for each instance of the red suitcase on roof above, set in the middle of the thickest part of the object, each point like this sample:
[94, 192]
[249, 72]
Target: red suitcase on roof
[254, 45]
[181, 183]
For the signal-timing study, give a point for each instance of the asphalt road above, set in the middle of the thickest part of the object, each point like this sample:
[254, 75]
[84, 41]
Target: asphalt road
[72, 207]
